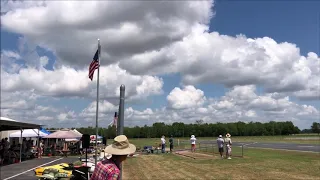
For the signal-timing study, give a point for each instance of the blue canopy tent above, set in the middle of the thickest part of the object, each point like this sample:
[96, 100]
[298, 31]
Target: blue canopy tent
[45, 131]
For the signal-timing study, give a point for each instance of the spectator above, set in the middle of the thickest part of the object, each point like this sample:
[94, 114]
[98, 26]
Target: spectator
[29, 144]
[228, 143]
[193, 143]
[53, 149]
[171, 143]
[41, 145]
[220, 143]
[163, 144]
[1, 151]
[24, 145]
[6, 144]
[114, 155]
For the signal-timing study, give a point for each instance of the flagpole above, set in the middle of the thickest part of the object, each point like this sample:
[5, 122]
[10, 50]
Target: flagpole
[97, 110]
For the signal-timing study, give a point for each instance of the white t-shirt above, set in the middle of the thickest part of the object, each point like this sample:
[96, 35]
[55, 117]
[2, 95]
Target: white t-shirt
[193, 140]
[163, 141]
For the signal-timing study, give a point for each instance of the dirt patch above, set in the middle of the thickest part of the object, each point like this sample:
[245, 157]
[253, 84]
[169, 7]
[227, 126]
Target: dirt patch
[194, 155]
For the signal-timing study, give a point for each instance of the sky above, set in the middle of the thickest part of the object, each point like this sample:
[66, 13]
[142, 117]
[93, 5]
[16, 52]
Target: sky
[181, 61]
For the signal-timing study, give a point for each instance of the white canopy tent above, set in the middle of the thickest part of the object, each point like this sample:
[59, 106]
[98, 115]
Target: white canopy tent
[10, 124]
[28, 133]
[76, 131]
[75, 139]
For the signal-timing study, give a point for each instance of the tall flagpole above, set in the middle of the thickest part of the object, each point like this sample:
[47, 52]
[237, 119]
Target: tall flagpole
[97, 110]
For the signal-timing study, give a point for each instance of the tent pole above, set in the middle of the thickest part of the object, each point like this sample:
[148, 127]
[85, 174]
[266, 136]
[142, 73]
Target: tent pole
[21, 143]
[38, 141]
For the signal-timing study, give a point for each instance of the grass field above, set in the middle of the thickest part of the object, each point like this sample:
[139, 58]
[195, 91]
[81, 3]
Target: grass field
[256, 164]
[299, 139]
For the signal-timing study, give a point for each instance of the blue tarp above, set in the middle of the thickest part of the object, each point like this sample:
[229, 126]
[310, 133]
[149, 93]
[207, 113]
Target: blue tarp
[45, 131]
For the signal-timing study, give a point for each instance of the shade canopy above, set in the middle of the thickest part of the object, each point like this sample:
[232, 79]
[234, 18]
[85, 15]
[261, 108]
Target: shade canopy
[75, 139]
[45, 131]
[64, 134]
[7, 124]
[76, 131]
[28, 133]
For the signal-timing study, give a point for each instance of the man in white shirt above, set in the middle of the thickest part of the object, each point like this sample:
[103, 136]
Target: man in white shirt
[163, 144]
[193, 143]
[220, 143]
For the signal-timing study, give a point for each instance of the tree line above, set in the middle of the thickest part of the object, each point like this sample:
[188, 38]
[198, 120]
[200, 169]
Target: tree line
[201, 129]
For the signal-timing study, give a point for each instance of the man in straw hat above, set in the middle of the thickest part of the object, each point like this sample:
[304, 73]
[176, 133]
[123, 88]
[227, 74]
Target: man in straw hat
[114, 155]
[228, 143]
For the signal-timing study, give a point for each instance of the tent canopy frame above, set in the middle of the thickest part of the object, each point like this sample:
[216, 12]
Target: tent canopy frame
[7, 124]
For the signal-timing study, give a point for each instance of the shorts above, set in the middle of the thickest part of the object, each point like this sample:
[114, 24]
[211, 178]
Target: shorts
[193, 145]
[228, 150]
[221, 149]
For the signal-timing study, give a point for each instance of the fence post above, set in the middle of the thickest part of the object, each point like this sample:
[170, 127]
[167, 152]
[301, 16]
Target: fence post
[212, 149]
[242, 150]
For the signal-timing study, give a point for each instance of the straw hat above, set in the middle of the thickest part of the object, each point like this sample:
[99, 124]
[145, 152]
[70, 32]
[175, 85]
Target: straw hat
[120, 146]
[228, 135]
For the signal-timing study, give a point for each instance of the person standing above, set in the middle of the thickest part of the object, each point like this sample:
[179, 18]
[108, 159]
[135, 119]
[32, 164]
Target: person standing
[117, 152]
[193, 140]
[228, 143]
[163, 144]
[171, 143]
[41, 149]
[220, 143]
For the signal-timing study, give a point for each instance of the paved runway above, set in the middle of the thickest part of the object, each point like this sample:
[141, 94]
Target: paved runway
[283, 146]
[24, 170]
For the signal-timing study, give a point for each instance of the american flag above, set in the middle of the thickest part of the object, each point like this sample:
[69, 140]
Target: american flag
[115, 119]
[94, 64]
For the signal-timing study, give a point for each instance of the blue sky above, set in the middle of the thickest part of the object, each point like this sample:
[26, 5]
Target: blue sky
[295, 22]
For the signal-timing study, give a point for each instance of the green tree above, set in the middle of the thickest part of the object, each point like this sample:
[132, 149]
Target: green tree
[315, 127]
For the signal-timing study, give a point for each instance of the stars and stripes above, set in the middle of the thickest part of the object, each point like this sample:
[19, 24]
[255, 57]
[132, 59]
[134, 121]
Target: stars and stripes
[94, 64]
[115, 119]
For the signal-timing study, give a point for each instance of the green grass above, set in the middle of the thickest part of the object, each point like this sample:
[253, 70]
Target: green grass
[256, 164]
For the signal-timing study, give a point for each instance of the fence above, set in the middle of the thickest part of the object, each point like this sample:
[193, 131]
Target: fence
[208, 147]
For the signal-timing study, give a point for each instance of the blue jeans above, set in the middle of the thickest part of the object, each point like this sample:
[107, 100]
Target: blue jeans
[163, 148]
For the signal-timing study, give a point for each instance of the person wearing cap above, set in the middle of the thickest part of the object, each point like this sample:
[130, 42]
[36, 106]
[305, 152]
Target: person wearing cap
[108, 169]
[220, 143]
[193, 143]
[171, 143]
[228, 144]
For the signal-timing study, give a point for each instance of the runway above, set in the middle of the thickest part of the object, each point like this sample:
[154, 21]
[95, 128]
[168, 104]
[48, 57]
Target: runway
[274, 145]
[24, 170]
